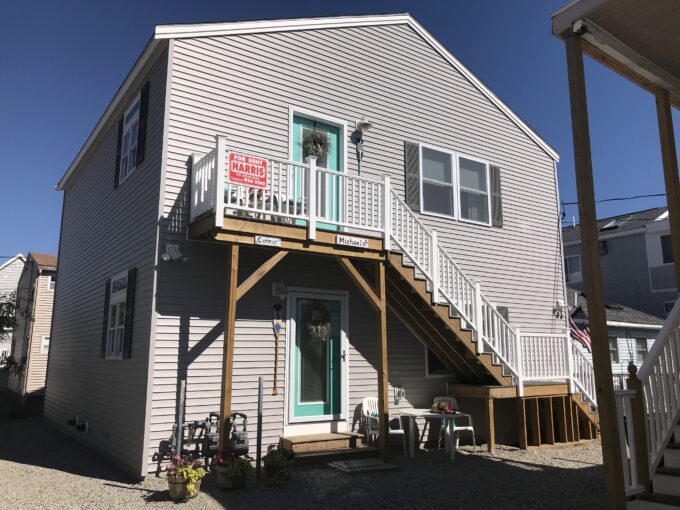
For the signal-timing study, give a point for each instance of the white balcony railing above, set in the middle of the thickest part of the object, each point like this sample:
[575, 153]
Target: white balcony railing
[226, 182]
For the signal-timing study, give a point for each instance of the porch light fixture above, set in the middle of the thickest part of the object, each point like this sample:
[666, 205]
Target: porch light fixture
[361, 127]
[172, 253]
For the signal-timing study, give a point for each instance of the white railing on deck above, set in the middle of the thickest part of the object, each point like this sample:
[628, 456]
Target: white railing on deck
[544, 357]
[660, 379]
[303, 194]
[583, 374]
[624, 416]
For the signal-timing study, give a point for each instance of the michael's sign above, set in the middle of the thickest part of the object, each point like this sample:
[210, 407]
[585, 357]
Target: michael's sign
[354, 242]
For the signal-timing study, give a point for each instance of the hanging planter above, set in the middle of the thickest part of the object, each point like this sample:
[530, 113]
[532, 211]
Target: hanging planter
[315, 143]
[319, 326]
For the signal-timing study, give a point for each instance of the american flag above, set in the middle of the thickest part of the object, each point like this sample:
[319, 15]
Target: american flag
[579, 328]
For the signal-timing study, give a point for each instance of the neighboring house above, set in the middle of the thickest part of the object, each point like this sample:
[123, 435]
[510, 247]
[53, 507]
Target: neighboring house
[637, 260]
[631, 333]
[155, 243]
[9, 279]
[31, 338]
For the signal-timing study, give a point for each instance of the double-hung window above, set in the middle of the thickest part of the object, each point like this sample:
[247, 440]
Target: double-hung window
[572, 268]
[115, 331]
[614, 349]
[128, 147]
[666, 249]
[454, 185]
[45, 345]
[640, 350]
[51, 282]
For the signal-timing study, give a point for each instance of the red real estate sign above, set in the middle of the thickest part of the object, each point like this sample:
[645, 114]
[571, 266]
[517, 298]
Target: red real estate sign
[247, 170]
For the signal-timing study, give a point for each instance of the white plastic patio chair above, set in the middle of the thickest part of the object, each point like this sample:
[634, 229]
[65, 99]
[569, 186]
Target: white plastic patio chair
[369, 410]
[461, 423]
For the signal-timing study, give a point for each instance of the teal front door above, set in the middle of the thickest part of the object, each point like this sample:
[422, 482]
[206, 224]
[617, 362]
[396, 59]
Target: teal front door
[317, 357]
[328, 187]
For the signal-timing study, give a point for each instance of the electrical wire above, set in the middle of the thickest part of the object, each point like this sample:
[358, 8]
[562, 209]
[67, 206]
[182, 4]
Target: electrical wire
[618, 199]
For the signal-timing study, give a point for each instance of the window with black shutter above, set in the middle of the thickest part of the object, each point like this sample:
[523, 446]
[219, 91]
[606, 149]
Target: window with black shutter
[131, 146]
[119, 302]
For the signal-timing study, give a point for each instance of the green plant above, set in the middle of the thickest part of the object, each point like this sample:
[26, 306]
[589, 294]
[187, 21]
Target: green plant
[190, 470]
[277, 464]
[14, 367]
[315, 143]
[235, 466]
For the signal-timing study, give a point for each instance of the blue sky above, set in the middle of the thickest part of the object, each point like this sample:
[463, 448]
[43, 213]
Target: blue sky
[63, 61]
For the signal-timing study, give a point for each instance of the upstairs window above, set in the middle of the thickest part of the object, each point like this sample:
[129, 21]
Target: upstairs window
[51, 282]
[130, 135]
[437, 182]
[666, 249]
[614, 349]
[474, 190]
[572, 268]
[45, 345]
[640, 350]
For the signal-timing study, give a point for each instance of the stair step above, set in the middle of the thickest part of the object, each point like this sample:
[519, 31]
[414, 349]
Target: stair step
[361, 452]
[655, 502]
[671, 457]
[666, 481]
[677, 433]
[319, 442]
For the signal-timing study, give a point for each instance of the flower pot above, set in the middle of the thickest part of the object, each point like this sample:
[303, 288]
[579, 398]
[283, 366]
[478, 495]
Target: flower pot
[177, 487]
[229, 482]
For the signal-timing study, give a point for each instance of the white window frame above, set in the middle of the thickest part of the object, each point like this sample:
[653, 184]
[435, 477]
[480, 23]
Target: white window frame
[566, 268]
[427, 367]
[115, 333]
[128, 126]
[615, 350]
[51, 283]
[455, 184]
[637, 350]
[45, 344]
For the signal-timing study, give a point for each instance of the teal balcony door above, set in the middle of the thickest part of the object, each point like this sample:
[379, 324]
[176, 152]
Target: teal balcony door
[328, 186]
[317, 357]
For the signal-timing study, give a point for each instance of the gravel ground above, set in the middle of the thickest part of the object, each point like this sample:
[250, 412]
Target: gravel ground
[41, 468]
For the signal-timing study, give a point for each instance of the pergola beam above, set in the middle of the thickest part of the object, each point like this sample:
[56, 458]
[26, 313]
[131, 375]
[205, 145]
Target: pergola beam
[590, 254]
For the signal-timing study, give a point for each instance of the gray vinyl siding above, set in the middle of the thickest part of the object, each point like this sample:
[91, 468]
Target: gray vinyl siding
[243, 86]
[9, 276]
[626, 275]
[190, 343]
[106, 231]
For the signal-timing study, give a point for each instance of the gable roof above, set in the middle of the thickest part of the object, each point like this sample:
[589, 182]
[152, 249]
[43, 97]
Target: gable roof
[179, 31]
[44, 260]
[18, 256]
[616, 314]
[627, 222]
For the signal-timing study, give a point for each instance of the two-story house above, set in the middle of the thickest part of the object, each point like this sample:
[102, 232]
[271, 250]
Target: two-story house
[637, 260]
[31, 336]
[336, 205]
[10, 271]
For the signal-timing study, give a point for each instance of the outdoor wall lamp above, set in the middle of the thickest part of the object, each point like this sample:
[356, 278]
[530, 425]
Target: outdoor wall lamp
[172, 252]
[360, 127]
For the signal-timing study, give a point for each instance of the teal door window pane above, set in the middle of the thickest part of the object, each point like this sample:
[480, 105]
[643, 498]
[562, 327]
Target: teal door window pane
[318, 363]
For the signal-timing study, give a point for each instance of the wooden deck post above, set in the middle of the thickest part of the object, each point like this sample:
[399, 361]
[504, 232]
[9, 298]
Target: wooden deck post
[490, 425]
[669, 158]
[228, 350]
[590, 255]
[383, 404]
[522, 415]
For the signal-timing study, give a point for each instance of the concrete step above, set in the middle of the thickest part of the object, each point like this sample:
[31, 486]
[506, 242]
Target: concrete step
[654, 502]
[677, 434]
[671, 457]
[666, 481]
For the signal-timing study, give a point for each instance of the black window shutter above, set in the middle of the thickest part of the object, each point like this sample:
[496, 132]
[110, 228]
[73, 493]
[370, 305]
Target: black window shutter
[143, 111]
[412, 175]
[129, 312]
[116, 171]
[105, 326]
[496, 196]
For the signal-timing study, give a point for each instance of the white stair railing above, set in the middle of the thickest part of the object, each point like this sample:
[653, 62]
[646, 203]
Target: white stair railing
[274, 189]
[583, 374]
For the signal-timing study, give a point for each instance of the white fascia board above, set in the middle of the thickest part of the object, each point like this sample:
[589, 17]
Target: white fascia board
[567, 15]
[251, 27]
[120, 93]
[17, 256]
[632, 325]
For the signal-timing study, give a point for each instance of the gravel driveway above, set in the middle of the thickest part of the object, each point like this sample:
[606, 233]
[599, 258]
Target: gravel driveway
[41, 468]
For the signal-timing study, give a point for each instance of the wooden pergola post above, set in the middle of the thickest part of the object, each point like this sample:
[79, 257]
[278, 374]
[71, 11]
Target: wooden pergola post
[669, 158]
[590, 255]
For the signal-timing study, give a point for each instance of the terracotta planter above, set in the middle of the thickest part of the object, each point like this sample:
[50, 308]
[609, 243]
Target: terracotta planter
[229, 482]
[177, 487]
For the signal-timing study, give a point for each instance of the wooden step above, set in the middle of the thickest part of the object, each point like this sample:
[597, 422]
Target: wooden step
[655, 502]
[666, 481]
[311, 443]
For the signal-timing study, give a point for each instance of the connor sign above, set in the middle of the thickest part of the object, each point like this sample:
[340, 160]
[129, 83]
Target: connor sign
[247, 170]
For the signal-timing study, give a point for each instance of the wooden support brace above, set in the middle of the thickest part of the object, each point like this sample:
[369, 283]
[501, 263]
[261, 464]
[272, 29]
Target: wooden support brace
[549, 421]
[383, 404]
[561, 420]
[490, 425]
[360, 281]
[534, 422]
[259, 273]
[522, 414]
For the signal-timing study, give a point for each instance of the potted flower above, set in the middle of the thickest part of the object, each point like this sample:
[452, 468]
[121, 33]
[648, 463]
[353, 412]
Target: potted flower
[184, 477]
[233, 471]
[278, 464]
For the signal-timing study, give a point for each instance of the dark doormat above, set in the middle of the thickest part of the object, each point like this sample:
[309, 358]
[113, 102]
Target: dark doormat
[362, 465]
